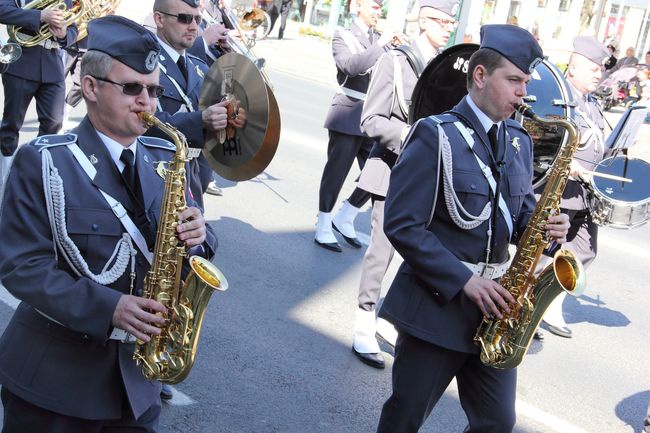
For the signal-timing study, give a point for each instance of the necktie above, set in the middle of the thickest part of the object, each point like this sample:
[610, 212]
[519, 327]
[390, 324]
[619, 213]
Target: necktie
[128, 174]
[181, 66]
[371, 35]
[494, 140]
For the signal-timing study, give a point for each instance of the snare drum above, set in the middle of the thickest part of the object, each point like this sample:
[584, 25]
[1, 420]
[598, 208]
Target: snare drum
[619, 204]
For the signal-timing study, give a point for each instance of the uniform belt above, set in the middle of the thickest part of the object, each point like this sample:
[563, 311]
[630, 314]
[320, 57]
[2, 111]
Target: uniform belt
[490, 271]
[121, 335]
[352, 93]
[48, 44]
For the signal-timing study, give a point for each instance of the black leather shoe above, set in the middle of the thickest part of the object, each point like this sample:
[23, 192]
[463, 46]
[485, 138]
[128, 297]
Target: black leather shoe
[561, 331]
[334, 246]
[538, 335]
[372, 359]
[166, 392]
[354, 242]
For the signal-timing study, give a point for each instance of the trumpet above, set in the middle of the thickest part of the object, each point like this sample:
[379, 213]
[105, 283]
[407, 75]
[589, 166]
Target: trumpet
[9, 52]
[72, 15]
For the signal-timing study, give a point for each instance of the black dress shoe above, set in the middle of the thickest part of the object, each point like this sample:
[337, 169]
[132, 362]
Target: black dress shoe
[334, 246]
[354, 242]
[538, 335]
[561, 331]
[372, 359]
[166, 392]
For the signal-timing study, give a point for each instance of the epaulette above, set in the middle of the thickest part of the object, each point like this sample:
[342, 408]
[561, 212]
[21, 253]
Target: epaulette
[200, 60]
[53, 140]
[514, 124]
[443, 118]
[158, 143]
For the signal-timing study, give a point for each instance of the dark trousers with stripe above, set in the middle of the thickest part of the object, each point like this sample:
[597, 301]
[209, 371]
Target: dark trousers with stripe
[19, 93]
[421, 373]
[342, 150]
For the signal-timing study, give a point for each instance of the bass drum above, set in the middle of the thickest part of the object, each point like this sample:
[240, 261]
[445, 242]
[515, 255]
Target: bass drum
[444, 83]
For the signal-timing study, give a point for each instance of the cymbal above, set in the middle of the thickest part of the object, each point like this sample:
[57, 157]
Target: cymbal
[252, 137]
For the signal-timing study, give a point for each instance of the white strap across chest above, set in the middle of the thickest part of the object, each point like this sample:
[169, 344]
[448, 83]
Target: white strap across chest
[115, 205]
[179, 89]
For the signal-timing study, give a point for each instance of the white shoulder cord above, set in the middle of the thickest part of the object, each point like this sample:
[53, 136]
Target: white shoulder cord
[453, 203]
[55, 201]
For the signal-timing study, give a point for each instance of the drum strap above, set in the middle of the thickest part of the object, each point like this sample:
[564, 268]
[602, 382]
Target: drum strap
[487, 173]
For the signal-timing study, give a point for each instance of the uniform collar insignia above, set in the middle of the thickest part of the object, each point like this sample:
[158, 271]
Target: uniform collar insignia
[515, 144]
[93, 159]
[200, 72]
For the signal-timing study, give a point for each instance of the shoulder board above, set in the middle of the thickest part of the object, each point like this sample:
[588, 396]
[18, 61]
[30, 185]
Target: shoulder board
[158, 143]
[196, 59]
[514, 124]
[47, 141]
[443, 118]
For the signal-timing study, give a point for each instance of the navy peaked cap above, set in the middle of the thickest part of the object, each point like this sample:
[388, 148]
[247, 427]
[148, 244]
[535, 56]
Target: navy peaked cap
[591, 48]
[514, 43]
[450, 7]
[193, 3]
[125, 41]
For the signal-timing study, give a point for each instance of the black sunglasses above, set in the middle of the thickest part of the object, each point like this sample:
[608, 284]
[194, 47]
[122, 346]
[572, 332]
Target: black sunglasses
[184, 18]
[135, 89]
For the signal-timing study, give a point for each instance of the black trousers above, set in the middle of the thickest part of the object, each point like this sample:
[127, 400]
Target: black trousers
[421, 373]
[21, 416]
[342, 149]
[18, 94]
[285, 7]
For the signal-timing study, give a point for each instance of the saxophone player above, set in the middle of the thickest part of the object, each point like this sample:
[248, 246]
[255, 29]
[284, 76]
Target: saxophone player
[452, 223]
[83, 208]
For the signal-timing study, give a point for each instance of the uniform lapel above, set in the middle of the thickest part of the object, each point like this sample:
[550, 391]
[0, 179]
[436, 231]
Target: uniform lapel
[172, 69]
[150, 181]
[108, 178]
[361, 36]
[193, 77]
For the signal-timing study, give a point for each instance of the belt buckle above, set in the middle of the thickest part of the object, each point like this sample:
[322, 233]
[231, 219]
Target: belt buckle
[489, 270]
[116, 210]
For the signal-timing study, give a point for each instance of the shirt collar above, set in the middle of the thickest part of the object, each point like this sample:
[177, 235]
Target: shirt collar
[486, 122]
[115, 149]
[362, 25]
[427, 50]
[171, 52]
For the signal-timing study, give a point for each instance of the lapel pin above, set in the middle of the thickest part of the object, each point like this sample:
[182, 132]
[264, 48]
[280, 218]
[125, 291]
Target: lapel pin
[199, 72]
[93, 159]
[515, 144]
[146, 158]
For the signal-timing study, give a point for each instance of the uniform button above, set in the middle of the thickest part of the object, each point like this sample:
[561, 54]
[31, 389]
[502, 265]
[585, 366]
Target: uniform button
[522, 189]
[85, 337]
[472, 186]
[94, 227]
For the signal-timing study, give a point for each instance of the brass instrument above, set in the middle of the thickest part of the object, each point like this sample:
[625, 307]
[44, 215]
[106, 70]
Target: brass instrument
[252, 19]
[71, 16]
[504, 342]
[95, 9]
[169, 357]
[9, 52]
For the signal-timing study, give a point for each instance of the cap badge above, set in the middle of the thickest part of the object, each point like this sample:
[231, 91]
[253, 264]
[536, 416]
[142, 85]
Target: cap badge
[151, 60]
[454, 9]
[534, 64]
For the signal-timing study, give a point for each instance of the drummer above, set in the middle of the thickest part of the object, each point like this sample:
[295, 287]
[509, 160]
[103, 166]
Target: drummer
[583, 74]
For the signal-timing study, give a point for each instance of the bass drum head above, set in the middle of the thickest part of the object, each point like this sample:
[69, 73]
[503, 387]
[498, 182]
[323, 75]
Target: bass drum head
[548, 96]
[443, 82]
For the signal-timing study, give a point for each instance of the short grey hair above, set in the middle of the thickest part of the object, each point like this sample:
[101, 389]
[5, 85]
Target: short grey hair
[96, 63]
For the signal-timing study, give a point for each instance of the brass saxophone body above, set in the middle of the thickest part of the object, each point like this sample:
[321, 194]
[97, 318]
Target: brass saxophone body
[504, 342]
[169, 356]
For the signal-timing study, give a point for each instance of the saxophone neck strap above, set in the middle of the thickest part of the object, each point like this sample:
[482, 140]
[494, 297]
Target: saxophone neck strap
[115, 205]
[179, 89]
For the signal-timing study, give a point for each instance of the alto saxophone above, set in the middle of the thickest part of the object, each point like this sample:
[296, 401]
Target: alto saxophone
[169, 356]
[504, 341]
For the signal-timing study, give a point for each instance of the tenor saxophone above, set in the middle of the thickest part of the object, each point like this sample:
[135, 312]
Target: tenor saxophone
[504, 342]
[169, 356]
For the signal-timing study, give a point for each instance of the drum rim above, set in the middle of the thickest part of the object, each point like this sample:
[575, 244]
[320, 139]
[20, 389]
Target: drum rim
[596, 191]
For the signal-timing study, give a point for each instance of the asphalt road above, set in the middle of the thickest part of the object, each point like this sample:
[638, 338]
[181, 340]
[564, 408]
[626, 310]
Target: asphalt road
[275, 352]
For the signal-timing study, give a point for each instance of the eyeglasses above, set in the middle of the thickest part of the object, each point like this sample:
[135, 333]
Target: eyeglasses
[135, 89]
[185, 18]
[443, 22]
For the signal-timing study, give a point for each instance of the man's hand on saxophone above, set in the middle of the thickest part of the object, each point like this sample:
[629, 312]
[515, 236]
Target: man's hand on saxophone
[191, 227]
[557, 227]
[137, 316]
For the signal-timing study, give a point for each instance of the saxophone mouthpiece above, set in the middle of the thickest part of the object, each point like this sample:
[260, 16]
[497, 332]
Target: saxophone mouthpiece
[525, 110]
[147, 118]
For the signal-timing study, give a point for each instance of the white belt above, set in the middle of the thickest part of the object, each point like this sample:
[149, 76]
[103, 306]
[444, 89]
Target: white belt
[490, 271]
[352, 93]
[193, 152]
[121, 335]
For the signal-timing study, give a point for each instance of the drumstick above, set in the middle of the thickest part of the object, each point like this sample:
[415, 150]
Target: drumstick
[607, 176]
